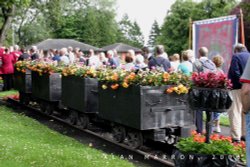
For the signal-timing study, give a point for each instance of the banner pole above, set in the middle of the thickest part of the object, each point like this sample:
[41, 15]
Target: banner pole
[190, 34]
[242, 28]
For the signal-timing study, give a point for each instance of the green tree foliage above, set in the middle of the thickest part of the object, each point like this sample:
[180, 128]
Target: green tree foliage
[154, 34]
[7, 12]
[174, 32]
[130, 32]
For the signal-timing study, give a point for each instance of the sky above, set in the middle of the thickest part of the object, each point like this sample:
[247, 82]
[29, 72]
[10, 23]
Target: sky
[144, 12]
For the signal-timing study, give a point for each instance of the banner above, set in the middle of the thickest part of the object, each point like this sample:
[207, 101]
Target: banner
[219, 35]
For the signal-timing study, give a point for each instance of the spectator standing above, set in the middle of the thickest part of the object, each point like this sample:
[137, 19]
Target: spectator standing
[163, 53]
[175, 62]
[16, 52]
[7, 68]
[245, 96]
[129, 65]
[64, 58]
[116, 58]
[111, 61]
[218, 61]
[24, 56]
[71, 55]
[236, 116]
[159, 61]
[146, 54]
[94, 60]
[186, 67]
[56, 56]
[202, 64]
[139, 63]
[34, 53]
[103, 58]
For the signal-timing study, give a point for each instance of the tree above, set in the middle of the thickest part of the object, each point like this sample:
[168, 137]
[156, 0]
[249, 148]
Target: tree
[130, 33]
[154, 34]
[174, 32]
[7, 12]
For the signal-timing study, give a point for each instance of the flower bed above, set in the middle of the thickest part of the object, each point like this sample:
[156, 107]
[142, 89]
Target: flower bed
[221, 152]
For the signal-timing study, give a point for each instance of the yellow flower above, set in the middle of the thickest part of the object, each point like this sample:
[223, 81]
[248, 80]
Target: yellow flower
[104, 87]
[125, 85]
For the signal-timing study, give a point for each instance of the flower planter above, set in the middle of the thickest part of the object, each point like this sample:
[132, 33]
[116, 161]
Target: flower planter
[196, 160]
[22, 81]
[47, 86]
[144, 107]
[210, 99]
[82, 92]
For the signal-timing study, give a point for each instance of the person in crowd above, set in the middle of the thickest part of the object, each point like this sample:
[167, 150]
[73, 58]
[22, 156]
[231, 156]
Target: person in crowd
[93, 60]
[175, 62]
[56, 56]
[159, 61]
[111, 61]
[190, 54]
[202, 64]
[81, 58]
[34, 53]
[238, 63]
[103, 58]
[7, 68]
[116, 58]
[46, 55]
[24, 56]
[146, 54]
[16, 52]
[245, 96]
[64, 58]
[52, 53]
[218, 61]
[186, 67]
[129, 62]
[163, 53]
[71, 55]
[139, 63]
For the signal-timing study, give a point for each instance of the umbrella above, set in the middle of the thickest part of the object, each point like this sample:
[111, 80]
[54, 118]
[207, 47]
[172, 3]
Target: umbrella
[120, 47]
[62, 43]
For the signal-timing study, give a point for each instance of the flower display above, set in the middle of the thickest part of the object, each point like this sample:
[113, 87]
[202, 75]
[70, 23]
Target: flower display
[43, 67]
[21, 66]
[211, 80]
[81, 71]
[220, 145]
[121, 78]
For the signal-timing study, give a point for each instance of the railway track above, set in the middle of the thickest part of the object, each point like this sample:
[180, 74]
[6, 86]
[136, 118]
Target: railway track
[159, 157]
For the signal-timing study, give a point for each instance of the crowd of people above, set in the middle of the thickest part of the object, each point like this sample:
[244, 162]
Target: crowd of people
[185, 63]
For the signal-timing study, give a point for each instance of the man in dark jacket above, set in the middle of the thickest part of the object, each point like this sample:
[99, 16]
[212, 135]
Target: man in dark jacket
[236, 69]
[159, 61]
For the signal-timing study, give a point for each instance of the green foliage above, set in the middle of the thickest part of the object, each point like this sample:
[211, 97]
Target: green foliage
[130, 32]
[187, 145]
[25, 142]
[175, 30]
[154, 34]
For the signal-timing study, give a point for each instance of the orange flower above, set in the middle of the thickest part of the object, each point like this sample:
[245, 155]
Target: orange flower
[169, 90]
[215, 137]
[165, 76]
[115, 77]
[194, 132]
[114, 86]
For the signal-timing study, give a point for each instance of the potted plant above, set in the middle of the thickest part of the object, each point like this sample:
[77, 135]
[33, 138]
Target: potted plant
[221, 152]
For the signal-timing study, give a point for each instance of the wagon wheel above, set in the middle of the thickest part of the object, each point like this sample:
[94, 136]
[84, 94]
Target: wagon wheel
[73, 117]
[49, 109]
[135, 139]
[83, 121]
[118, 133]
[43, 106]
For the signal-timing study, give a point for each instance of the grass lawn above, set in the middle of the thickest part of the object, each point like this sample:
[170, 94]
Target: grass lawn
[224, 120]
[24, 143]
